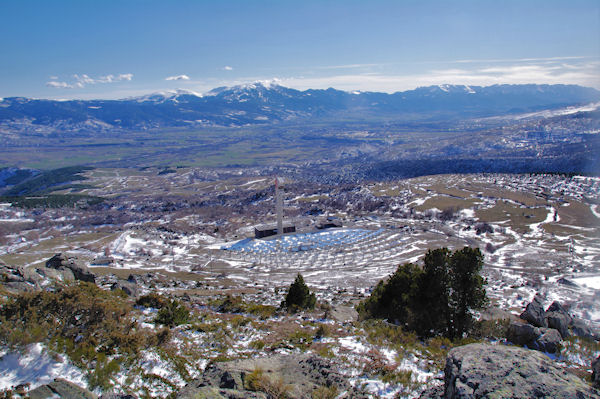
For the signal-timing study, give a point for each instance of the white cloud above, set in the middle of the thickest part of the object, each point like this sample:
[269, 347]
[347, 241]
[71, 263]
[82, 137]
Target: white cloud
[227, 68]
[178, 77]
[59, 85]
[83, 80]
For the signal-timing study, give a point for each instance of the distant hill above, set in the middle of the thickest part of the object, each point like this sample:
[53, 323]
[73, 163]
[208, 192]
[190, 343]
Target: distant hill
[257, 103]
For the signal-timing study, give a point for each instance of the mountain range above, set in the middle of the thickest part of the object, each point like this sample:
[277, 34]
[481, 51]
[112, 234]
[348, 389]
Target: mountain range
[263, 103]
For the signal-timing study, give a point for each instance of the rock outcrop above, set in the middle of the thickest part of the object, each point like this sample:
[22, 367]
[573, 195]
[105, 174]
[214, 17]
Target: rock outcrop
[498, 371]
[18, 279]
[60, 388]
[556, 318]
[64, 263]
[342, 313]
[299, 374]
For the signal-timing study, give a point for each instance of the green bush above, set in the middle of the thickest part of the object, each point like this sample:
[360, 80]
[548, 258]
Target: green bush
[436, 299]
[173, 314]
[299, 296]
[152, 300]
[90, 325]
[231, 304]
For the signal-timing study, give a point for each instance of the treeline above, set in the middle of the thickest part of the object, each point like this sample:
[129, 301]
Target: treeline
[51, 201]
[51, 178]
[407, 168]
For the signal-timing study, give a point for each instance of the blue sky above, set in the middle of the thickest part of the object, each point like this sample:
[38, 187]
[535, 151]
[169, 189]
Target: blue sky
[116, 49]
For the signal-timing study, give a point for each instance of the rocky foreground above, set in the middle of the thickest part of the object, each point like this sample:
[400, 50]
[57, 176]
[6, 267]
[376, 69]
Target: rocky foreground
[492, 368]
[471, 371]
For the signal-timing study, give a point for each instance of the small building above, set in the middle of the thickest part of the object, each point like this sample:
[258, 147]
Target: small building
[267, 230]
[102, 261]
[329, 222]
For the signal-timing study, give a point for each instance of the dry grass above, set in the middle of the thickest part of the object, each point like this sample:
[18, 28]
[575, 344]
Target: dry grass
[490, 190]
[451, 191]
[443, 202]
[577, 214]
[519, 218]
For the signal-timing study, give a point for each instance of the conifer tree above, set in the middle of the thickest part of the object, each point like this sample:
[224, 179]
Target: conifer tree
[299, 296]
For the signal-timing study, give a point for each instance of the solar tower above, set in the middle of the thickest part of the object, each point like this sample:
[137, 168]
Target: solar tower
[279, 207]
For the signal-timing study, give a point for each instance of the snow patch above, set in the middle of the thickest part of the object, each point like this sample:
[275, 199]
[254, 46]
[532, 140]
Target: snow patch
[37, 367]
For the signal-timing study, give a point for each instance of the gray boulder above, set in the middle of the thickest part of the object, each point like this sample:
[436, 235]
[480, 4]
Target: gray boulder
[534, 312]
[300, 374]
[558, 308]
[60, 388]
[549, 341]
[128, 287]
[596, 372]
[79, 270]
[56, 274]
[523, 334]
[542, 339]
[498, 371]
[559, 322]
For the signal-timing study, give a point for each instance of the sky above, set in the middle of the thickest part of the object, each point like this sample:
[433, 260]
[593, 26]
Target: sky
[117, 49]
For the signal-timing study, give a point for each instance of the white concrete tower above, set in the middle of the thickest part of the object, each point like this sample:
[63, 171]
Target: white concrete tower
[278, 207]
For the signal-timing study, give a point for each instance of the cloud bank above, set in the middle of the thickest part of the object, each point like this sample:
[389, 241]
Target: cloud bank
[80, 81]
[559, 70]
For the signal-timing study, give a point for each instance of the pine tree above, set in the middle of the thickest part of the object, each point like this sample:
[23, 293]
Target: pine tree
[299, 296]
[468, 290]
[436, 299]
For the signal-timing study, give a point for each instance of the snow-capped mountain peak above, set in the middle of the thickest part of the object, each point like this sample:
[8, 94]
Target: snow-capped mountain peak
[448, 88]
[162, 96]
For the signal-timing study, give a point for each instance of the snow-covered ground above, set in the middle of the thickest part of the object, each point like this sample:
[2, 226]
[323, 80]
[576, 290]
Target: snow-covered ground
[36, 366]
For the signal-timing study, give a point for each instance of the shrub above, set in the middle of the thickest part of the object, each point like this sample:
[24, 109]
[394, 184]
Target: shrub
[173, 314]
[299, 296]
[325, 392]
[152, 300]
[323, 331]
[89, 325]
[262, 311]
[231, 304]
[274, 388]
[257, 344]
